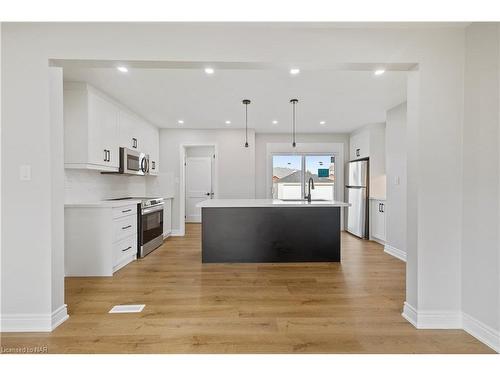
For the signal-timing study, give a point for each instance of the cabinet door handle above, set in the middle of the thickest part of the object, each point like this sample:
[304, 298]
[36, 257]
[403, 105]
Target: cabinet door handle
[153, 165]
[380, 207]
[357, 152]
[105, 155]
[383, 208]
[109, 155]
[128, 248]
[127, 210]
[134, 142]
[128, 226]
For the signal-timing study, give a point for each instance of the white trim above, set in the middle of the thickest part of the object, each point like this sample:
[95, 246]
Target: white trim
[439, 319]
[34, 322]
[59, 316]
[432, 319]
[391, 250]
[453, 320]
[410, 314]
[481, 331]
[177, 233]
[379, 241]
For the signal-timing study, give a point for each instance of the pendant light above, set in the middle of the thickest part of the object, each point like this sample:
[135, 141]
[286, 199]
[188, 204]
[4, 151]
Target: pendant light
[246, 102]
[294, 102]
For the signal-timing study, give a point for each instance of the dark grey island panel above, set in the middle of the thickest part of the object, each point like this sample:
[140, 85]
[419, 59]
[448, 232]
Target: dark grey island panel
[270, 234]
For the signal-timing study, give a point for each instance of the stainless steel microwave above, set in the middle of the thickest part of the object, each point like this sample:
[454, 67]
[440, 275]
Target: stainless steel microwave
[133, 162]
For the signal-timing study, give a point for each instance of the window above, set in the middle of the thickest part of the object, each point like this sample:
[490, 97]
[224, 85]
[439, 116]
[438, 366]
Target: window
[291, 173]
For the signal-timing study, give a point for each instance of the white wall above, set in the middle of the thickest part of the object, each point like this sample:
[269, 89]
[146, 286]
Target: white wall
[481, 173]
[395, 159]
[263, 139]
[235, 164]
[27, 47]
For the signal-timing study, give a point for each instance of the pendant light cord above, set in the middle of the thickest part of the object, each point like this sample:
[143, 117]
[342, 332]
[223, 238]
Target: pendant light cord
[246, 102]
[246, 125]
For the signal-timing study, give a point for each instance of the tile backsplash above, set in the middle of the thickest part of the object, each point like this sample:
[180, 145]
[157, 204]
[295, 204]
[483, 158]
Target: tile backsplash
[82, 185]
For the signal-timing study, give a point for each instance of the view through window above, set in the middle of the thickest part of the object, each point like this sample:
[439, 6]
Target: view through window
[292, 172]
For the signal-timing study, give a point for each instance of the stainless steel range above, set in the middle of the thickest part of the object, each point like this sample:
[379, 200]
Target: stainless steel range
[149, 224]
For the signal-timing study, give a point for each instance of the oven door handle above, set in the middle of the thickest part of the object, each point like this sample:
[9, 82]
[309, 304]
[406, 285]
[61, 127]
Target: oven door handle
[146, 211]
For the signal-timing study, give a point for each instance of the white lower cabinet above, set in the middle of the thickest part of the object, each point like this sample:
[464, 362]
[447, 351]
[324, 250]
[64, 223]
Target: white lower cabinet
[377, 219]
[99, 240]
[167, 218]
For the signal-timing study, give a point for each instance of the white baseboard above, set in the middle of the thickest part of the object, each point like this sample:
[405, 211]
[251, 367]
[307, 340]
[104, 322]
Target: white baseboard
[375, 239]
[34, 322]
[177, 233]
[452, 320]
[432, 319]
[410, 314]
[481, 331]
[391, 250]
[59, 316]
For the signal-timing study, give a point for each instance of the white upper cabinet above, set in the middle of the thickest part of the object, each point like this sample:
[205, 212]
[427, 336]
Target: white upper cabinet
[90, 129]
[95, 127]
[359, 145]
[129, 130]
[151, 147]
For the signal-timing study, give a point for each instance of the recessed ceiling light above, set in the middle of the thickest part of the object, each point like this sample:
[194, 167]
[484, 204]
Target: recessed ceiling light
[209, 70]
[122, 69]
[379, 72]
[294, 71]
[180, 122]
[322, 122]
[275, 122]
[228, 122]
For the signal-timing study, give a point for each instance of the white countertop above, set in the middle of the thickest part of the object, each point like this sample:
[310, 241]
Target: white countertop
[267, 203]
[103, 204]
[106, 203]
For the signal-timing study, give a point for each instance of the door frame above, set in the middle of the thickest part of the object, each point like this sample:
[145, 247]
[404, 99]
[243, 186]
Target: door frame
[182, 180]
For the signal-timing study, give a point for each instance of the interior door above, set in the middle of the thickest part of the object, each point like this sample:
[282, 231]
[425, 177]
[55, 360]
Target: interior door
[198, 185]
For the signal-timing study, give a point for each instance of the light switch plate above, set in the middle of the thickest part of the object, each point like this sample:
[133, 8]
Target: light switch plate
[25, 172]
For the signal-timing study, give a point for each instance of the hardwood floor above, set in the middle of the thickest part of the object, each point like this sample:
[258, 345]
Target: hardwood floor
[349, 307]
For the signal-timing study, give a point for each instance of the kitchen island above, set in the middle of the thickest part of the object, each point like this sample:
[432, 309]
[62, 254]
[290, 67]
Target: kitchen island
[270, 230]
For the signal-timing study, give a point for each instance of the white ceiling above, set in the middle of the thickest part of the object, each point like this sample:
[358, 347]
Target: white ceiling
[345, 100]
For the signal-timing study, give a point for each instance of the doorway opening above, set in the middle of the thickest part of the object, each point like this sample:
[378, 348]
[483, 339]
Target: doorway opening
[199, 176]
[198, 180]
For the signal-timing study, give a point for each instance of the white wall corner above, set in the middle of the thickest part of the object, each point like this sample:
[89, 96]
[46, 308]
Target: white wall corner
[481, 331]
[34, 322]
[432, 319]
[391, 250]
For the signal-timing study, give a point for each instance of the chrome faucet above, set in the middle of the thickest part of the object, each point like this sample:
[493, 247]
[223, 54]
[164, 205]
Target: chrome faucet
[310, 184]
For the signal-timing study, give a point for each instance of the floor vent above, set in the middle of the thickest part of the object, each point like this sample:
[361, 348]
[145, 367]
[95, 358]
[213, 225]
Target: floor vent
[121, 309]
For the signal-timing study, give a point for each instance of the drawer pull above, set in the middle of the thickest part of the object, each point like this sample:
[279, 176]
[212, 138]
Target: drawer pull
[128, 226]
[128, 248]
[127, 210]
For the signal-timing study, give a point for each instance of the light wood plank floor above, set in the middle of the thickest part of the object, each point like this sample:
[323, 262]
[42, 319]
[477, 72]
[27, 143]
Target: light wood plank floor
[349, 307]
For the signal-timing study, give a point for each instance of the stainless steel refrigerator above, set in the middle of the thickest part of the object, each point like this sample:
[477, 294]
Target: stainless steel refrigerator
[357, 196]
